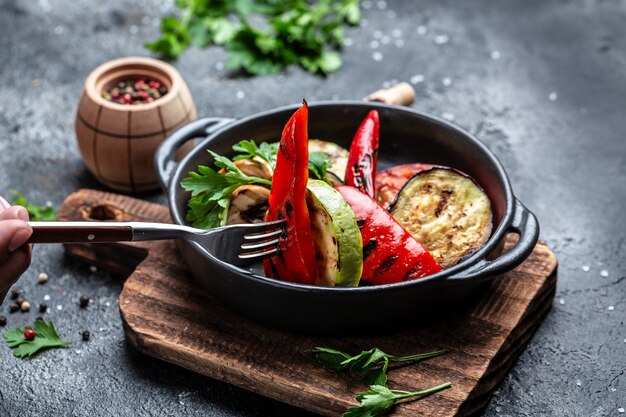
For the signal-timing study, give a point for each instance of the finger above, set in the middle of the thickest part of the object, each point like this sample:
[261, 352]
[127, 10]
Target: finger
[14, 267]
[13, 234]
[3, 204]
[15, 212]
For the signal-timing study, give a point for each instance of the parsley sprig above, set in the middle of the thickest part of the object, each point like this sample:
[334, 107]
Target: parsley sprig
[380, 399]
[46, 338]
[248, 149]
[36, 213]
[371, 364]
[319, 163]
[211, 191]
[306, 33]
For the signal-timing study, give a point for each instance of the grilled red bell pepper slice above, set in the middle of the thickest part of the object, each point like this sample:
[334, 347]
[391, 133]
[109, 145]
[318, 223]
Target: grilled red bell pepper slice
[295, 261]
[390, 253]
[389, 181]
[361, 168]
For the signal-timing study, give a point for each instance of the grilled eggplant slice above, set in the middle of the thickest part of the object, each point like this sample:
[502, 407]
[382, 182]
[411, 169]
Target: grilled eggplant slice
[446, 211]
[248, 204]
[389, 181]
[338, 156]
[336, 237]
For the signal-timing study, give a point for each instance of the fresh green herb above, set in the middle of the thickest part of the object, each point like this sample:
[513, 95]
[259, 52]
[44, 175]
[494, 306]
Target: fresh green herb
[211, 191]
[379, 399]
[319, 163]
[36, 213]
[372, 364]
[306, 33]
[46, 337]
[249, 149]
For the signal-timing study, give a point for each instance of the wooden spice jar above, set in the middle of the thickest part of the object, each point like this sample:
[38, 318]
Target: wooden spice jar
[118, 141]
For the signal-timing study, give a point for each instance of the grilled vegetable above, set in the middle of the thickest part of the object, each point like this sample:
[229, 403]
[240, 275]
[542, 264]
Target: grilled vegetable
[389, 181]
[390, 253]
[296, 260]
[336, 236]
[446, 211]
[248, 204]
[338, 156]
[363, 156]
[255, 168]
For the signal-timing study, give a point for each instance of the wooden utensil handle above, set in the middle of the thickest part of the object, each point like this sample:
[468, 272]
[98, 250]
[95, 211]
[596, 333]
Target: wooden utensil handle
[79, 232]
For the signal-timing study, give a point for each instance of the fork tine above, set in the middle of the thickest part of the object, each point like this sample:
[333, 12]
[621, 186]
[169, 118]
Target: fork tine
[259, 236]
[257, 256]
[262, 227]
[260, 245]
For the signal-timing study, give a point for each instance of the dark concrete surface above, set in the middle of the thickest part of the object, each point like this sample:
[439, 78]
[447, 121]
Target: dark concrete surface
[543, 83]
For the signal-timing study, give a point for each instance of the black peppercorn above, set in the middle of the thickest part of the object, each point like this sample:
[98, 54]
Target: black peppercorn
[3, 321]
[19, 301]
[15, 294]
[86, 335]
[43, 307]
[84, 301]
[13, 307]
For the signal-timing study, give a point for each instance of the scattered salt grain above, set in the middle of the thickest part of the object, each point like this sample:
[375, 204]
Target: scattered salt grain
[377, 56]
[422, 30]
[59, 307]
[553, 96]
[133, 29]
[417, 78]
[610, 308]
[621, 410]
[240, 95]
[562, 301]
[46, 297]
[93, 268]
[381, 4]
[396, 33]
[348, 42]
[586, 268]
[495, 55]
[219, 65]
[391, 14]
[374, 44]
[448, 116]
[385, 40]
[447, 82]
[579, 383]
[366, 4]
[58, 30]
[604, 273]
[442, 39]
[378, 34]
[399, 43]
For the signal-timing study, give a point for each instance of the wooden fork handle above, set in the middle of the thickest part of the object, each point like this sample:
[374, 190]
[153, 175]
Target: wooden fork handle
[79, 232]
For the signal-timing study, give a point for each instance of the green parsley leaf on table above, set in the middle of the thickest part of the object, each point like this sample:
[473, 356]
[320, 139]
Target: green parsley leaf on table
[248, 149]
[319, 163]
[285, 32]
[211, 191]
[380, 399]
[36, 213]
[46, 337]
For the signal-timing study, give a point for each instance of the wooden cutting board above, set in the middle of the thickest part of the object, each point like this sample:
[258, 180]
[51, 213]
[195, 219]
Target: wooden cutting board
[168, 316]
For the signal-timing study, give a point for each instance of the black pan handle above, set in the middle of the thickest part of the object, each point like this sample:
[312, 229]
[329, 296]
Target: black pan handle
[164, 163]
[526, 225]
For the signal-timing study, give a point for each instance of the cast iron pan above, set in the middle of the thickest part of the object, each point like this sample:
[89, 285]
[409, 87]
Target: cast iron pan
[407, 136]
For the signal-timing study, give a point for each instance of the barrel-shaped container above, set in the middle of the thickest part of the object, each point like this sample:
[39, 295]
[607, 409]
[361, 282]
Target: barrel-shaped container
[118, 141]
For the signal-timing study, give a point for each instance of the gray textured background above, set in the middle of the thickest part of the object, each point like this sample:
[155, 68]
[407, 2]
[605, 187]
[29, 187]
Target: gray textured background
[551, 107]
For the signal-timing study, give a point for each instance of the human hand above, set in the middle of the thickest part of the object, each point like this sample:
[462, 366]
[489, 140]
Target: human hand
[14, 254]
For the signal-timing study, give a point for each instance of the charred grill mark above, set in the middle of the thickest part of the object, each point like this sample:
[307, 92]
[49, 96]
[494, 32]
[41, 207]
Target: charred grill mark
[369, 248]
[414, 272]
[274, 269]
[386, 264]
[288, 208]
[283, 151]
[360, 223]
[445, 195]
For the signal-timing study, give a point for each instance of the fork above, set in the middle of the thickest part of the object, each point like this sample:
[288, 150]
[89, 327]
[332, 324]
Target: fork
[239, 244]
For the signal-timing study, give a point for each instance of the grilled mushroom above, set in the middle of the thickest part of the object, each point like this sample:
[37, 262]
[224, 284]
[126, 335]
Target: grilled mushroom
[254, 168]
[248, 204]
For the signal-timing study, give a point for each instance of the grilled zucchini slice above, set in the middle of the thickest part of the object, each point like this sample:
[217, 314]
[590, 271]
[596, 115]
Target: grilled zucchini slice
[336, 236]
[446, 211]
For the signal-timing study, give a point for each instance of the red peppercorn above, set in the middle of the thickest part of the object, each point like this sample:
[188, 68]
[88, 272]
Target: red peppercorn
[139, 84]
[128, 98]
[149, 100]
[154, 84]
[29, 334]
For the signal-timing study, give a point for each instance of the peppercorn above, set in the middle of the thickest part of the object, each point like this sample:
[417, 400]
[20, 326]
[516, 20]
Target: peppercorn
[86, 335]
[29, 334]
[135, 91]
[43, 278]
[15, 294]
[13, 307]
[84, 301]
[39, 317]
[25, 306]
[3, 321]
[19, 301]
[43, 307]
